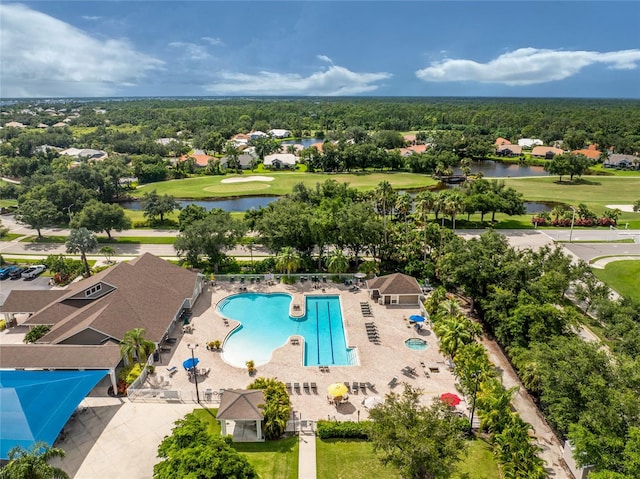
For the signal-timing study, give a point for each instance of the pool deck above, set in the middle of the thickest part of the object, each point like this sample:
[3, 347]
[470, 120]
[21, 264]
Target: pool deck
[378, 364]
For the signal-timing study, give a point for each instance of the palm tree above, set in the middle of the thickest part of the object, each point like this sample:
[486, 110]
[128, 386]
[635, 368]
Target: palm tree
[135, 346]
[424, 204]
[287, 259]
[454, 204]
[107, 251]
[385, 198]
[449, 308]
[33, 463]
[556, 212]
[232, 152]
[292, 149]
[455, 333]
[82, 241]
[337, 262]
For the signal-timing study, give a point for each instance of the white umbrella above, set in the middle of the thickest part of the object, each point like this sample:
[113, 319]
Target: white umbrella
[372, 401]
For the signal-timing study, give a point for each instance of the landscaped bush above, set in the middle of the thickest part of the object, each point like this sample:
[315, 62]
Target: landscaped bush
[347, 429]
[539, 221]
[36, 333]
[3, 325]
[133, 374]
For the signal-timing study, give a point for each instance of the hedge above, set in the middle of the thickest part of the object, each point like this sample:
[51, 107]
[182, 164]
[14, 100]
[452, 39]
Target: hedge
[347, 429]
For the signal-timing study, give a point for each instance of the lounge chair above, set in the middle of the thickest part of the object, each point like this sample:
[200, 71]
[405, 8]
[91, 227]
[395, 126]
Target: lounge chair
[305, 387]
[355, 387]
[371, 386]
[393, 382]
[314, 388]
[296, 387]
[348, 386]
[288, 386]
[172, 370]
[363, 388]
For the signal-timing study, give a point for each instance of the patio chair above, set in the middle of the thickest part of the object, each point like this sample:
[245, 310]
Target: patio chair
[305, 387]
[314, 388]
[172, 370]
[363, 388]
[208, 394]
[348, 384]
[371, 386]
[355, 387]
[288, 386]
[393, 382]
[296, 387]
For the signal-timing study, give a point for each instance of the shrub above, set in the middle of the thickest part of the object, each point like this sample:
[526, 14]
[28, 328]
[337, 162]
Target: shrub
[3, 325]
[538, 221]
[347, 429]
[36, 333]
[135, 371]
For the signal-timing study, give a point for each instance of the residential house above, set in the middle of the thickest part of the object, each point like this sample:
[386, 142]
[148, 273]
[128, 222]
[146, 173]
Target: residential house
[396, 288]
[547, 152]
[409, 150]
[280, 161]
[509, 150]
[502, 141]
[256, 134]
[85, 154]
[592, 152]
[60, 124]
[201, 160]
[622, 162]
[246, 159]
[410, 139]
[166, 141]
[279, 133]
[14, 124]
[530, 142]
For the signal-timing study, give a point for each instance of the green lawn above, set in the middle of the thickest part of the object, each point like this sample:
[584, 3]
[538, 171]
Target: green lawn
[598, 169]
[271, 459]
[622, 276]
[11, 236]
[212, 187]
[349, 459]
[354, 459]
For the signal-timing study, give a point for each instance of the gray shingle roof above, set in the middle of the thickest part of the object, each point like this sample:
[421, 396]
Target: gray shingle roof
[241, 404]
[396, 283]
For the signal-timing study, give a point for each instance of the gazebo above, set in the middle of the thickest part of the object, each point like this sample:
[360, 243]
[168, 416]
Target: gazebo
[240, 415]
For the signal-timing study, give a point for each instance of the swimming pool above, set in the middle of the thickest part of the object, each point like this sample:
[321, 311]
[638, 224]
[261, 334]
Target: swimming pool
[266, 325]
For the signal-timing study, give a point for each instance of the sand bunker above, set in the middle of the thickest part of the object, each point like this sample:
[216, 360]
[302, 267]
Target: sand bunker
[247, 178]
[625, 208]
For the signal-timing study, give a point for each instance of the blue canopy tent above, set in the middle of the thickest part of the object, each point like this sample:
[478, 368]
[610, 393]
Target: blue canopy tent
[415, 318]
[37, 404]
[190, 363]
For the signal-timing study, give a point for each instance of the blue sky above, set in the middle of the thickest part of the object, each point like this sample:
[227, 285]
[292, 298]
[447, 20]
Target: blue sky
[413, 48]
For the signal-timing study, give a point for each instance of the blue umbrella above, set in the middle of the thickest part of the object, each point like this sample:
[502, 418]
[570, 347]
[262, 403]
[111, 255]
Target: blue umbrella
[190, 363]
[416, 318]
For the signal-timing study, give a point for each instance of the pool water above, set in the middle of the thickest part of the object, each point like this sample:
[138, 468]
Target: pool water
[266, 326]
[416, 344]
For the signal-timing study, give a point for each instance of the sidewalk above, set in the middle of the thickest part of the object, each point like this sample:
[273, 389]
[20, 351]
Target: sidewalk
[307, 455]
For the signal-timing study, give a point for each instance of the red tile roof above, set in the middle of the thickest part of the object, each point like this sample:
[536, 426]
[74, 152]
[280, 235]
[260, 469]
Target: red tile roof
[589, 153]
[201, 160]
[502, 141]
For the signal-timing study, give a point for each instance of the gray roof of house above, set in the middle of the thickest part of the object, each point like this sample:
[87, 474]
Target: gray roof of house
[396, 283]
[146, 292]
[58, 356]
[241, 404]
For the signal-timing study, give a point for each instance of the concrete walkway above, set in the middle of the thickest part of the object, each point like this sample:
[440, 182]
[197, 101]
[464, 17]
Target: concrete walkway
[307, 455]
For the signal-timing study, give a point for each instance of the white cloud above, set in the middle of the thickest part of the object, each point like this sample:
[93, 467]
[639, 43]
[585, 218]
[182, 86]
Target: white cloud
[216, 42]
[334, 81]
[192, 50]
[91, 18]
[324, 58]
[42, 56]
[527, 66]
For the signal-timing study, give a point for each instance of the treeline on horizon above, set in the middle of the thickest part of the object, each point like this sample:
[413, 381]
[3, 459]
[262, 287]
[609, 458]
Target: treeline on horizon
[606, 122]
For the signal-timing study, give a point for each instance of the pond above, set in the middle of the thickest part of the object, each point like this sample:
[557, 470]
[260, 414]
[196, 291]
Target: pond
[492, 169]
[229, 204]
[305, 142]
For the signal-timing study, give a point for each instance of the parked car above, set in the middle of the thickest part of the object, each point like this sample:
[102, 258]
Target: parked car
[4, 272]
[17, 273]
[33, 271]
